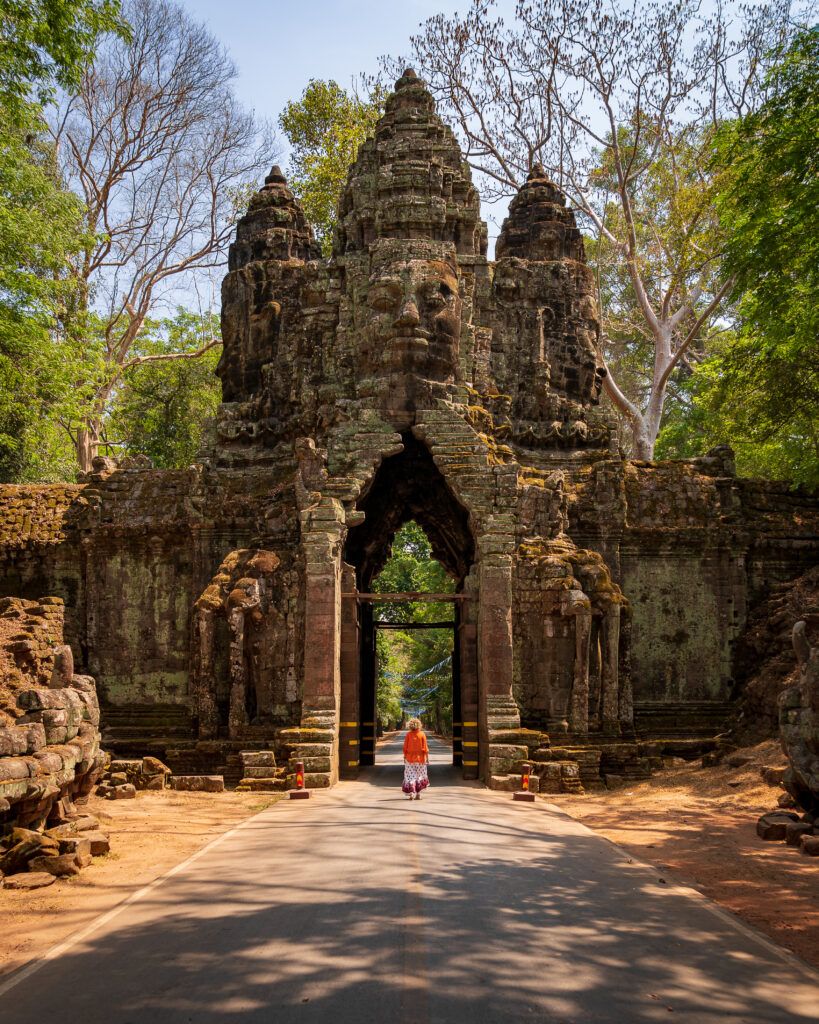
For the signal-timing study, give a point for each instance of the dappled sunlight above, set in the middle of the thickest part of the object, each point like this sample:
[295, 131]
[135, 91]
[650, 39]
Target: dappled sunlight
[467, 906]
[698, 826]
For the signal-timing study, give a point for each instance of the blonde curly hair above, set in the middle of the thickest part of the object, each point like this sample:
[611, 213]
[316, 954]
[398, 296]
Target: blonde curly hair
[413, 724]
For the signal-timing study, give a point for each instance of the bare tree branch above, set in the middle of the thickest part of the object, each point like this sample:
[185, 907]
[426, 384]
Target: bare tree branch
[618, 101]
[158, 147]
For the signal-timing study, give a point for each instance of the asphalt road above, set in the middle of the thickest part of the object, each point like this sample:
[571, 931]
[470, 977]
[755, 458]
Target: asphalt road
[358, 906]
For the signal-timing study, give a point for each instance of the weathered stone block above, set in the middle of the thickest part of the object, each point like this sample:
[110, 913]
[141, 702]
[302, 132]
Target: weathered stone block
[62, 865]
[14, 768]
[773, 826]
[198, 783]
[809, 845]
[258, 758]
[153, 766]
[78, 845]
[30, 880]
[99, 843]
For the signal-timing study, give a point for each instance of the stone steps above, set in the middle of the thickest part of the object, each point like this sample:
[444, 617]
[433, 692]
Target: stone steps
[689, 719]
[145, 721]
[260, 774]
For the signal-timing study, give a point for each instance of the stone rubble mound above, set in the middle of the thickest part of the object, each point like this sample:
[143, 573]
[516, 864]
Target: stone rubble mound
[50, 757]
[124, 777]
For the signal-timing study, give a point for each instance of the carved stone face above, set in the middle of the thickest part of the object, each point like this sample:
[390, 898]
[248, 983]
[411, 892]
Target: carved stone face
[413, 319]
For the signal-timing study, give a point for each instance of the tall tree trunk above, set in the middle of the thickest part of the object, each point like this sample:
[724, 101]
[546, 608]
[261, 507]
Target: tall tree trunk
[87, 445]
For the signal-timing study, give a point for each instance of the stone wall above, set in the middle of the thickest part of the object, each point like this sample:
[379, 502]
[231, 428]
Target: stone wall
[406, 377]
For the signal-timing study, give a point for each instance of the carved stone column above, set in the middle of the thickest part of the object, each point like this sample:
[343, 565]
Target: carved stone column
[204, 680]
[497, 709]
[610, 657]
[579, 706]
[322, 538]
[237, 716]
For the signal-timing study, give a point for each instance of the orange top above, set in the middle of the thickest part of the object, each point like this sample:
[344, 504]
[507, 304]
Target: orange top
[416, 750]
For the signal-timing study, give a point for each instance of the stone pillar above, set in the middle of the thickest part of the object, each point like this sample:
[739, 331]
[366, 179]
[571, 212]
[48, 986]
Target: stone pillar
[625, 697]
[610, 656]
[322, 528]
[204, 681]
[237, 716]
[321, 539]
[579, 705]
[495, 628]
[497, 709]
[350, 725]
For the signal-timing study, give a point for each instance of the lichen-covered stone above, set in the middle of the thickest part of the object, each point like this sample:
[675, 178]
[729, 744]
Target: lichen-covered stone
[406, 377]
[799, 725]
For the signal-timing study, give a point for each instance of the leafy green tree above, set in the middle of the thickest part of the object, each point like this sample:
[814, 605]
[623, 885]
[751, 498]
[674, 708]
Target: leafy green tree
[707, 411]
[43, 44]
[759, 388]
[165, 400]
[48, 43]
[771, 210]
[325, 128]
[407, 659]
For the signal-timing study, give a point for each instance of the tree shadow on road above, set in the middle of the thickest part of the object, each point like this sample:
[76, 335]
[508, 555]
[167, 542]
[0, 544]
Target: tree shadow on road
[571, 933]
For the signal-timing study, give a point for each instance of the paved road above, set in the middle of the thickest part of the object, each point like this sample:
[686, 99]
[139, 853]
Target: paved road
[358, 906]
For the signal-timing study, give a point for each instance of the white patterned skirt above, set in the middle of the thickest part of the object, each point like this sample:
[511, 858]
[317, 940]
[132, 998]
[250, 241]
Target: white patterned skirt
[415, 777]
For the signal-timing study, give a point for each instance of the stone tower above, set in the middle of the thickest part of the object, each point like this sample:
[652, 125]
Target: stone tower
[224, 606]
[408, 377]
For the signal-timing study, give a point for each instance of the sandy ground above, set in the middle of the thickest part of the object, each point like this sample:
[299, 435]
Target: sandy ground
[149, 836]
[698, 825]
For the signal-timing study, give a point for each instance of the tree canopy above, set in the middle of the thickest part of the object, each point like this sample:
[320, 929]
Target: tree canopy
[44, 44]
[325, 128]
[759, 386]
[414, 666]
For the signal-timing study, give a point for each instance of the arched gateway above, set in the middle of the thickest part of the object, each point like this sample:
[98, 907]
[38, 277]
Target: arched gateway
[409, 377]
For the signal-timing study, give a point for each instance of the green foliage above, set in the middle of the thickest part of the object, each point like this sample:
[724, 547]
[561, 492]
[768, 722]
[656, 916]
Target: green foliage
[769, 380]
[406, 653]
[40, 233]
[44, 43]
[759, 388]
[735, 397]
[162, 405]
[325, 128]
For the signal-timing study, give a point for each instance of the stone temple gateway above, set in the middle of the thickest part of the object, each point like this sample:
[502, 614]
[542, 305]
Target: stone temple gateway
[408, 377]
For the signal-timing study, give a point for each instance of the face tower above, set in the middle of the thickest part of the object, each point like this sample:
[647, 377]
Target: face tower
[410, 377]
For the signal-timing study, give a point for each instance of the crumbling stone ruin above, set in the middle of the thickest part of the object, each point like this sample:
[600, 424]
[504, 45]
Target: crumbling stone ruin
[224, 608]
[799, 733]
[50, 754]
[763, 656]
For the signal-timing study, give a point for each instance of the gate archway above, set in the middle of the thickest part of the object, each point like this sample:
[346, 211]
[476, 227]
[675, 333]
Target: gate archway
[407, 486]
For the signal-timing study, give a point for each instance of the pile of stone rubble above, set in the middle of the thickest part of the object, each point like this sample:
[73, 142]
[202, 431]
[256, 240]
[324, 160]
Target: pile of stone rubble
[30, 859]
[123, 778]
[50, 757]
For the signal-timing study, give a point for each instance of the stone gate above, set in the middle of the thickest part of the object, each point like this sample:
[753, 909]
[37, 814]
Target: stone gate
[408, 377]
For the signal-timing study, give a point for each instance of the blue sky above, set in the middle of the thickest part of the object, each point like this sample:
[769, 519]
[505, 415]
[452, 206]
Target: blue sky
[279, 45]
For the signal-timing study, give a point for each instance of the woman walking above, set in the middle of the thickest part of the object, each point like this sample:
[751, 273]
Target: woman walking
[416, 759]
